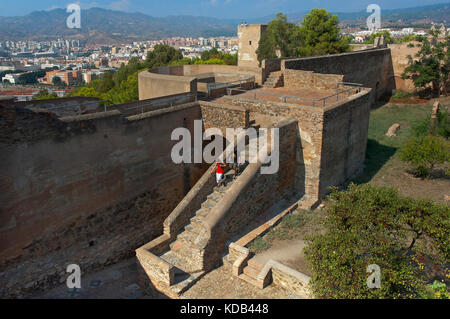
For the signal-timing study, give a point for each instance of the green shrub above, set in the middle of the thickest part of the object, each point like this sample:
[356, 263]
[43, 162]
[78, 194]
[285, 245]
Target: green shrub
[375, 225]
[293, 221]
[258, 245]
[440, 290]
[400, 95]
[443, 124]
[424, 153]
[423, 127]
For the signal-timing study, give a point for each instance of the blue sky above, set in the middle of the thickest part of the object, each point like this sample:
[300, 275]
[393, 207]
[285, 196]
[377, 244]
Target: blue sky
[210, 8]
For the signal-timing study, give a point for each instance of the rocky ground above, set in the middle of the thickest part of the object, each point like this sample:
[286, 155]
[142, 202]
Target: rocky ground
[119, 281]
[221, 284]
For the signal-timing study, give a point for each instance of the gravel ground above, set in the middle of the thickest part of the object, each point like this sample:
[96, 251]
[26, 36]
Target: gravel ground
[119, 281]
[221, 284]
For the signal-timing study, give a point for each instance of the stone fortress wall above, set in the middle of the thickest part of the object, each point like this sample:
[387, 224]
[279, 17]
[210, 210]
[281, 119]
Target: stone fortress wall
[169, 80]
[84, 189]
[91, 188]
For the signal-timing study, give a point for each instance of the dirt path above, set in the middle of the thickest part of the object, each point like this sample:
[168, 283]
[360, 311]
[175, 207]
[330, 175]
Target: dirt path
[117, 281]
[287, 252]
[221, 284]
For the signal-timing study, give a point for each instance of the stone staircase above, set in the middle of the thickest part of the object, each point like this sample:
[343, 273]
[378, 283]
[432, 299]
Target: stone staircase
[274, 80]
[186, 252]
[251, 272]
[185, 255]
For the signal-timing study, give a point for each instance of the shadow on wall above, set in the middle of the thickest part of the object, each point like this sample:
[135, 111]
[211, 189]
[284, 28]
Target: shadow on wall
[379, 104]
[300, 173]
[389, 78]
[376, 157]
[147, 284]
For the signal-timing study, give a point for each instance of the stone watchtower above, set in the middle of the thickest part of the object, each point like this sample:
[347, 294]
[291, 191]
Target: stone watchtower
[249, 36]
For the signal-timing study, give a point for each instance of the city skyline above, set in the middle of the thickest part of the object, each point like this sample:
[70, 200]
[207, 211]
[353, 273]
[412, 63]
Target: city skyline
[225, 9]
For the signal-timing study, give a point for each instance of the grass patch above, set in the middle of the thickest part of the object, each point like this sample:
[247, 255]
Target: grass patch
[380, 148]
[259, 245]
[293, 221]
[407, 116]
[401, 95]
[288, 228]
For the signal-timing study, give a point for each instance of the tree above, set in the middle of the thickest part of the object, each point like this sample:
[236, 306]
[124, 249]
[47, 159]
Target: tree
[408, 38]
[127, 91]
[425, 152]
[57, 81]
[31, 77]
[276, 40]
[211, 54]
[104, 84]
[211, 61]
[162, 55]
[184, 61]
[386, 34]
[230, 59]
[319, 34]
[44, 95]
[432, 65]
[368, 225]
[85, 91]
[126, 70]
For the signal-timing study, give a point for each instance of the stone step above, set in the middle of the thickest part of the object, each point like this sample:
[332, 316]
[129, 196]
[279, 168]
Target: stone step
[193, 240]
[184, 285]
[185, 250]
[251, 272]
[194, 229]
[197, 220]
[255, 264]
[208, 204]
[202, 212]
[214, 197]
[174, 259]
[176, 245]
[192, 243]
[250, 280]
[182, 262]
[188, 237]
[220, 189]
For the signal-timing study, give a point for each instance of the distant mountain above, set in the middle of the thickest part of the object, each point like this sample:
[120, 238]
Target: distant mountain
[439, 13]
[109, 26]
[101, 26]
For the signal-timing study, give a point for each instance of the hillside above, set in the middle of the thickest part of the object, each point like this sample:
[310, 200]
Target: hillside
[103, 26]
[115, 26]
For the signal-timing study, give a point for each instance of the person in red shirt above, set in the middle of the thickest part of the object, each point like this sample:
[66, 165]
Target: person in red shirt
[220, 173]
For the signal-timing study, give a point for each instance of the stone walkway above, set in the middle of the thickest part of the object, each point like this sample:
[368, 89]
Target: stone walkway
[304, 95]
[221, 284]
[119, 281]
[286, 252]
